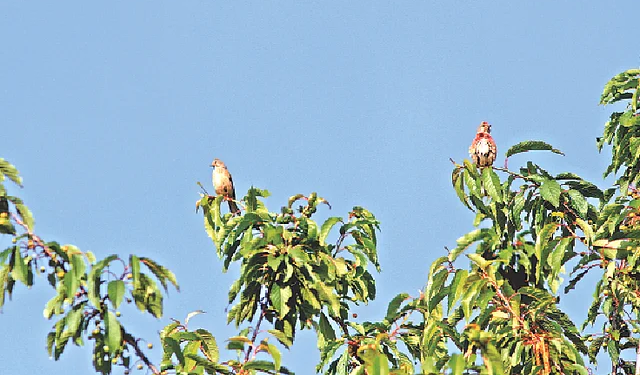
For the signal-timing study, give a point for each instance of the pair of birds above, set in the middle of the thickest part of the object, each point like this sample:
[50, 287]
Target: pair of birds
[483, 152]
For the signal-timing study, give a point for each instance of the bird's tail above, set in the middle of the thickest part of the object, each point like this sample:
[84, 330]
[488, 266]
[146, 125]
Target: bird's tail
[233, 207]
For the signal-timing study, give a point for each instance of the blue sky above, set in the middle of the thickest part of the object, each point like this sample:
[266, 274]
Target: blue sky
[113, 111]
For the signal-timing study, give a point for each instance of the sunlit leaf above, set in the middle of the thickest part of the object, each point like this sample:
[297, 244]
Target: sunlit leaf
[191, 315]
[457, 286]
[550, 191]
[578, 202]
[531, 146]
[115, 290]
[393, 306]
[162, 273]
[326, 228]
[491, 183]
[209, 345]
[113, 332]
[19, 266]
[9, 171]
[376, 362]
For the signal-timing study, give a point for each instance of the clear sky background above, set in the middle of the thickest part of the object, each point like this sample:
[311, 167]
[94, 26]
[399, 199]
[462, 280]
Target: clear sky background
[113, 110]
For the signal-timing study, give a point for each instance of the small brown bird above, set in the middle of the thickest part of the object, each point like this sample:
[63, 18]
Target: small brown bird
[223, 183]
[483, 149]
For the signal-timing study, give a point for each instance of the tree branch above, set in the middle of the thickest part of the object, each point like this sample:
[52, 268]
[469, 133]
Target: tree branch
[129, 339]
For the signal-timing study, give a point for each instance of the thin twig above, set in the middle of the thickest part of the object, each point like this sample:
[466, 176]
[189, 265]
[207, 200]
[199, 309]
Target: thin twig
[505, 170]
[503, 298]
[129, 339]
[342, 325]
[33, 236]
[263, 307]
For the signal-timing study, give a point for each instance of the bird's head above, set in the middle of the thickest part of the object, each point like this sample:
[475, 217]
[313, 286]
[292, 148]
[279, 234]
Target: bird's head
[217, 163]
[484, 127]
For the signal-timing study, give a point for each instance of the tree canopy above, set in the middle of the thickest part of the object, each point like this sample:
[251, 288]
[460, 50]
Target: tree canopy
[490, 304]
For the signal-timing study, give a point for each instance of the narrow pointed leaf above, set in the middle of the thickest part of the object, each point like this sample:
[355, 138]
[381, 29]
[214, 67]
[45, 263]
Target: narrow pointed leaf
[491, 183]
[326, 228]
[531, 146]
[113, 332]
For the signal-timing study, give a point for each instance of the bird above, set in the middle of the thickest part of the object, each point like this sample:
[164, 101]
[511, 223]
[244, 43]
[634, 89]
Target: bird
[483, 149]
[223, 183]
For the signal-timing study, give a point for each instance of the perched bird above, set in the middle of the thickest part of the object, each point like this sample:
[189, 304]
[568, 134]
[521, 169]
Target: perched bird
[483, 149]
[223, 183]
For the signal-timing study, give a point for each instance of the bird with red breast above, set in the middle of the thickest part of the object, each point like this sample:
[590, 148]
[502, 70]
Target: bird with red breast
[483, 149]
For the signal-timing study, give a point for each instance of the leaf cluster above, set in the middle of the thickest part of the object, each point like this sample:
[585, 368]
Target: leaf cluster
[88, 292]
[294, 274]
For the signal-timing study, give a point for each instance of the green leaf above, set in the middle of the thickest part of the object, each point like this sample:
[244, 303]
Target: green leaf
[161, 273]
[260, 365]
[634, 98]
[169, 329]
[457, 364]
[342, 363]
[51, 339]
[376, 362]
[8, 170]
[479, 260]
[73, 321]
[456, 288]
[491, 183]
[90, 257]
[392, 309]
[587, 229]
[467, 240]
[78, 266]
[550, 191]
[280, 299]
[470, 294]
[134, 263]
[281, 337]
[26, 215]
[613, 350]
[115, 290]
[113, 332]
[242, 339]
[171, 346]
[457, 179]
[325, 328]
[54, 306]
[71, 284]
[20, 270]
[531, 146]
[555, 262]
[4, 280]
[94, 280]
[275, 354]
[544, 235]
[326, 228]
[181, 336]
[628, 119]
[190, 350]
[209, 345]
[578, 202]
[149, 296]
[436, 287]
